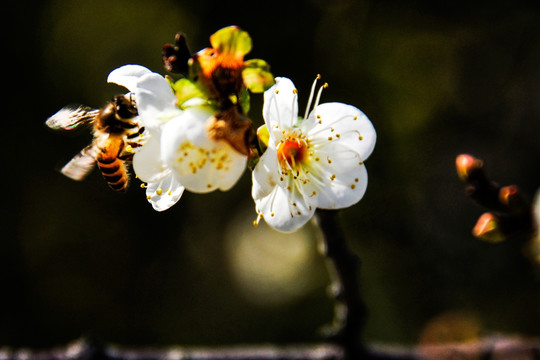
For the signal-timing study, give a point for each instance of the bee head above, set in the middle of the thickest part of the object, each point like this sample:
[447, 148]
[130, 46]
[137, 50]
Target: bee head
[125, 106]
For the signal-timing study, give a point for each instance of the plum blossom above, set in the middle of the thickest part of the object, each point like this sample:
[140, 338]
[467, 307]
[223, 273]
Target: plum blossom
[311, 162]
[179, 153]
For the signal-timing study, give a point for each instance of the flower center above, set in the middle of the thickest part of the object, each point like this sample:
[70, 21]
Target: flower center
[191, 159]
[293, 150]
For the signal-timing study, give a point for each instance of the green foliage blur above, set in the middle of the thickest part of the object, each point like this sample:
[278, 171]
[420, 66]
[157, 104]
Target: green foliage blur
[436, 78]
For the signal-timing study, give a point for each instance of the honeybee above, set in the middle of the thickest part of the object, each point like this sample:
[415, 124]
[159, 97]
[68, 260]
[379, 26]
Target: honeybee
[116, 131]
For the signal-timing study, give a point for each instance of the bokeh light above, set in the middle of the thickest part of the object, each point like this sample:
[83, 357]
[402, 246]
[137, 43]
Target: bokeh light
[272, 268]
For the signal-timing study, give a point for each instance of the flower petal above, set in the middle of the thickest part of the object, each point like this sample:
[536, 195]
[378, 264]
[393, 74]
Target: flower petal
[156, 102]
[165, 193]
[346, 188]
[147, 162]
[189, 125]
[201, 164]
[265, 175]
[343, 123]
[285, 209]
[339, 168]
[127, 76]
[280, 109]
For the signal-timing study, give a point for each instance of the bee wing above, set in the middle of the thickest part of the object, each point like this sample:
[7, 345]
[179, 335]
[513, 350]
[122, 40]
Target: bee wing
[81, 165]
[70, 117]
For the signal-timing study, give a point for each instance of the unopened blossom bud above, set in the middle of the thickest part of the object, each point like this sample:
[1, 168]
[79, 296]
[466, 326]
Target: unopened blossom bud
[175, 57]
[488, 228]
[507, 193]
[510, 197]
[468, 166]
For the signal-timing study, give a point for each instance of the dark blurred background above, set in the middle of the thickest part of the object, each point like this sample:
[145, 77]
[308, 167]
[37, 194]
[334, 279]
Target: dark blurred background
[436, 78]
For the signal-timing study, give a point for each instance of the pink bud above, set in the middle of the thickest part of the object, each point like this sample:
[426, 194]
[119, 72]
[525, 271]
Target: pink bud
[487, 228]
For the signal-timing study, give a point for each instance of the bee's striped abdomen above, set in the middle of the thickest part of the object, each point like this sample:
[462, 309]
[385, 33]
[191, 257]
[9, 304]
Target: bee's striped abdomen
[112, 168]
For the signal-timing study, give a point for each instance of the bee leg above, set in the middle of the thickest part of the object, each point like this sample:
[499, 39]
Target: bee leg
[128, 151]
[126, 157]
[138, 133]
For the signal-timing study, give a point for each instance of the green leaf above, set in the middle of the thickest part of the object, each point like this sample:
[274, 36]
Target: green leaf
[257, 76]
[231, 40]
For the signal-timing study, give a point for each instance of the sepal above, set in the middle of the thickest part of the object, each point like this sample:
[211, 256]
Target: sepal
[263, 137]
[257, 76]
[185, 90]
[231, 40]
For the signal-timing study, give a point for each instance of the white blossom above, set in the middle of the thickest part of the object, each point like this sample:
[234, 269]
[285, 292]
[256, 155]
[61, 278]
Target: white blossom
[179, 152]
[316, 162]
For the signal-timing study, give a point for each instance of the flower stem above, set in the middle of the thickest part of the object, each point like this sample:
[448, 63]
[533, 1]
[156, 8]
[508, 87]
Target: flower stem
[349, 309]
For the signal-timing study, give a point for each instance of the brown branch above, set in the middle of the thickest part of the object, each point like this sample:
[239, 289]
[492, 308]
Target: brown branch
[500, 348]
[349, 308]
[86, 350]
